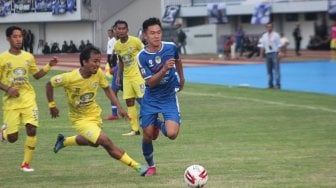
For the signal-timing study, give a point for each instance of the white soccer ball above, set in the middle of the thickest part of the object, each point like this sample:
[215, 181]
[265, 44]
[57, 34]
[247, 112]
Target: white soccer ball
[195, 176]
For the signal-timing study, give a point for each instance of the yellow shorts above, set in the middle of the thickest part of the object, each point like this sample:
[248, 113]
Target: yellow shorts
[13, 118]
[89, 127]
[133, 88]
[333, 44]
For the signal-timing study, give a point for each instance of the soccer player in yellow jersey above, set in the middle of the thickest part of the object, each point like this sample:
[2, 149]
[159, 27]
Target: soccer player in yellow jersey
[19, 103]
[80, 87]
[127, 47]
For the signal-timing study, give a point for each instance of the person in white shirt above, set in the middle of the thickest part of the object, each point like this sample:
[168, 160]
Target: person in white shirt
[284, 44]
[270, 44]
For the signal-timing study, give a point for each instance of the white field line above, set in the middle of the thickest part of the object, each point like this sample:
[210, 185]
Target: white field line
[262, 101]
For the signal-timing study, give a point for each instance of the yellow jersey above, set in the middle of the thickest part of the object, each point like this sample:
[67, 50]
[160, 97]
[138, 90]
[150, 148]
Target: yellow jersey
[128, 52]
[81, 92]
[14, 72]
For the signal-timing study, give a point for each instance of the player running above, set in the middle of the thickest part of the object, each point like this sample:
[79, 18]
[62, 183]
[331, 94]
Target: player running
[159, 64]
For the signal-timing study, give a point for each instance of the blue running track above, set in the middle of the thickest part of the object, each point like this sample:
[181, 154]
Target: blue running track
[316, 77]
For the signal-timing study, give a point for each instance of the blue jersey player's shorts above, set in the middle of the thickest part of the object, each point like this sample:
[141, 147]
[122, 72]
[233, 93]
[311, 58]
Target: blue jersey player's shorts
[149, 111]
[114, 85]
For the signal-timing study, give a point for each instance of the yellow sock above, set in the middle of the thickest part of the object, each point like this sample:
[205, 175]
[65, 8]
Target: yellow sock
[29, 149]
[132, 112]
[127, 160]
[70, 141]
[4, 134]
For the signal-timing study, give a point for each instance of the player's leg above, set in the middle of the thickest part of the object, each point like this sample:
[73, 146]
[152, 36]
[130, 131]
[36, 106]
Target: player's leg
[133, 114]
[114, 151]
[147, 124]
[115, 88]
[137, 92]
[171, 115]
[88, 130]
[30, 120]
[10, 127]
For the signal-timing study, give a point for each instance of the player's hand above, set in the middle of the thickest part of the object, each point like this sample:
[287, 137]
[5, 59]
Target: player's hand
[53, 61]
[54, 112]
[170, 63]
[13, 92]
[181, 85]
[124, 114]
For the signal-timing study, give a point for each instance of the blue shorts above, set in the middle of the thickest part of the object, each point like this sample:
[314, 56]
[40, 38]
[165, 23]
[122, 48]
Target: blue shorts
[149, 111]
[114, 85]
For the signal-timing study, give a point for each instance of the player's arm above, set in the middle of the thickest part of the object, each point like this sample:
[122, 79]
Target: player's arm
[54, 112]
[46, 68]
[156, 78]
[179, 69]
[113, 98]
[11, 91]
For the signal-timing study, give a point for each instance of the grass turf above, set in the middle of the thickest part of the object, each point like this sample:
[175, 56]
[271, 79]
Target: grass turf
[244, 137]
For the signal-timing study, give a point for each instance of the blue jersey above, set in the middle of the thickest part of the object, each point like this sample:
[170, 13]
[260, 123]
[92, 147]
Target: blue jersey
[152, 62]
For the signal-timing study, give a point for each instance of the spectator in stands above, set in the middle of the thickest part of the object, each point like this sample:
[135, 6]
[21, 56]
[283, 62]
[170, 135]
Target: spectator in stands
[333, 41]
[88, 43]
[30, 41]
[240, 35]
[65, 47]
[55, 48]
[297, 38]
[72, 47]
[284, 44]
[255, 45]
[81, 46]
[25, 40]
[227, 47]
[181, 40]
[46, 48]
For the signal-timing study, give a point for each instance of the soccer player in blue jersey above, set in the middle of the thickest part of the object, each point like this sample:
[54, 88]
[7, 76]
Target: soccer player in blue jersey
[159, 64]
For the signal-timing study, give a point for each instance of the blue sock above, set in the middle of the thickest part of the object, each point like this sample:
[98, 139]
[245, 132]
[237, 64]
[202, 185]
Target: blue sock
[138, 100]
[148, 152]
[161, 125]
[114, 110]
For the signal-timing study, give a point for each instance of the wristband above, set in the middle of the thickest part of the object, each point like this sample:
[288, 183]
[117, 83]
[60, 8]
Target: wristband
[46, 68]
[52, 104]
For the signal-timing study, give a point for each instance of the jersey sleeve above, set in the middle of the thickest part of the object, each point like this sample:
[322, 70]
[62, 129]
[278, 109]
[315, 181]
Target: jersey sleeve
[102, 79]
[144, 69]
[59, 80]
[33, 69]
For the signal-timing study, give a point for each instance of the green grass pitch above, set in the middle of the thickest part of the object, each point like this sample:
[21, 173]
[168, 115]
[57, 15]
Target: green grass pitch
[244, 137]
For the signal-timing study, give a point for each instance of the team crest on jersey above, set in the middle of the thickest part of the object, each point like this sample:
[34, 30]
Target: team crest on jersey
[19, 71]
[130, 49]
[58, 79]
[87, 96]
[95, 84]
[28, 63]
[9, 65]
[157, 59]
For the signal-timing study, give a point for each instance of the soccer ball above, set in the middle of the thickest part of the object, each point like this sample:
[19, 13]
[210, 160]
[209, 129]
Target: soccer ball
[195, 176]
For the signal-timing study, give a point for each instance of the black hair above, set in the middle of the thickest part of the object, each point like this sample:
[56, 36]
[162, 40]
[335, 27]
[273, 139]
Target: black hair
[150, 22]
[120, 22]
[10, 30]
[86, 53]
